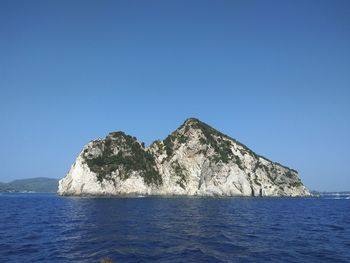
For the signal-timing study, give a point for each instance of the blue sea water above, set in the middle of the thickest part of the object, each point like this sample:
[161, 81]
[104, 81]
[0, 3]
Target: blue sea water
[48, 228]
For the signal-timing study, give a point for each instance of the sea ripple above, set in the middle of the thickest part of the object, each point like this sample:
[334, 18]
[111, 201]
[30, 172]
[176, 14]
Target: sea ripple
[48, 228]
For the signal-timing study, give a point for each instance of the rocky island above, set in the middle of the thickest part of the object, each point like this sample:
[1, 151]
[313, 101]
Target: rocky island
[195, 159]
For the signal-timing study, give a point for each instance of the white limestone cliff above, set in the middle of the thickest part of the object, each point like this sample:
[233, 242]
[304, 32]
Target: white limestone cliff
[194, 160]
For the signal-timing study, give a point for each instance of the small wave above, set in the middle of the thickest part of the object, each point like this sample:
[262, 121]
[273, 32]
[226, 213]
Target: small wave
[178, 229]
[337, 198]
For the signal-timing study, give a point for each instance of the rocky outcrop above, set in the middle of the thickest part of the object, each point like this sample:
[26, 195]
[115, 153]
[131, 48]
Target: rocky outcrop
[194, 160]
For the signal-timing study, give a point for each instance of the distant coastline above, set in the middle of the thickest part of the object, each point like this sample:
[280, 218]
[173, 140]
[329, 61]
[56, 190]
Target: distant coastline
[31, 185]
[50, 185]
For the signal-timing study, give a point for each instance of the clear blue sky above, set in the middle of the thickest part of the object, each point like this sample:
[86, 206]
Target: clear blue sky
[273, 74]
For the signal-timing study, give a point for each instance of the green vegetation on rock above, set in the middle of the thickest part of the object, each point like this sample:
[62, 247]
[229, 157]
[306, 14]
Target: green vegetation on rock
[122, 153]
[239, 162]
[169, 142]
[181, 172]
[289, 175]
[169, 145]
[210, 132]
[269, 173]
[296, 184]
[256, 181]
[130, 157]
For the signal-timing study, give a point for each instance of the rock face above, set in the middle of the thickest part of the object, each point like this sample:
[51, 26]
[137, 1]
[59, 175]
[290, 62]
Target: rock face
[194, 160]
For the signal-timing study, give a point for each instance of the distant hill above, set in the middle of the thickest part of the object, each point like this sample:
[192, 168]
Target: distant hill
[40, 185]
[329, 194]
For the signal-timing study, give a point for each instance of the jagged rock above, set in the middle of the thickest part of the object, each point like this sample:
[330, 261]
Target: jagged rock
[194, 160]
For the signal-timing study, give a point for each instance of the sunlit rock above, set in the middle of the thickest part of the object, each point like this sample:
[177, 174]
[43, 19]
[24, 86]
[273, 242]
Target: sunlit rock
[194, 160]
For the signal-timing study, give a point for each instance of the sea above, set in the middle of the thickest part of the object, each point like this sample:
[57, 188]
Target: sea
[50, 228]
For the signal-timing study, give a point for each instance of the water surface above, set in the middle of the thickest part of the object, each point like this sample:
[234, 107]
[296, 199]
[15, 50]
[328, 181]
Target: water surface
[48, 228]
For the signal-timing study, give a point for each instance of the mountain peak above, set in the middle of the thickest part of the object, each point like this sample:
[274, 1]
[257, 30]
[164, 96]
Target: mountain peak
[191, 120]
[196, 124]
